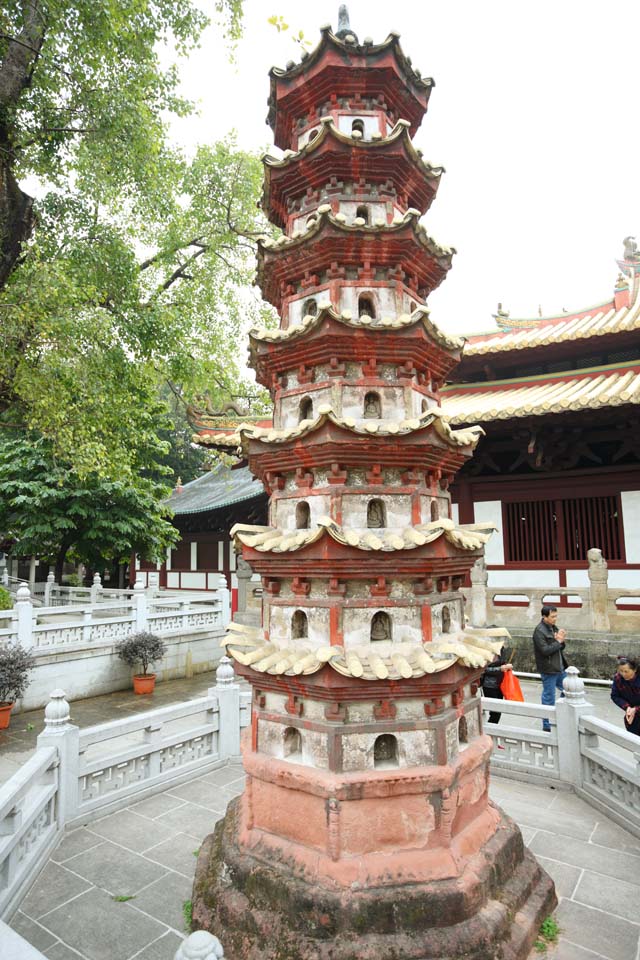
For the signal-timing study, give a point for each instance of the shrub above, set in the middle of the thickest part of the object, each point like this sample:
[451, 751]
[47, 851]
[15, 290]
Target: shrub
[73, 580]
[6, 600]
[144, 648]
[16, 663]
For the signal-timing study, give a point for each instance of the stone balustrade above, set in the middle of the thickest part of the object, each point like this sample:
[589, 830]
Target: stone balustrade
[75, 645]
[599, 762]
[78, 775]
[599, 607]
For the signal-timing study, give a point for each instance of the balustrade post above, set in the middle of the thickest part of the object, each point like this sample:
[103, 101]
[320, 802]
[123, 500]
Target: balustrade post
[479, 580]
[87, 620]
[96, 588]
[598, 590]
[5, 576]
[48, 587]
[224, 596]
[60, 733]
[227, 693]
[141, 606]
[201, 945]
[569, 709]
[24, 615]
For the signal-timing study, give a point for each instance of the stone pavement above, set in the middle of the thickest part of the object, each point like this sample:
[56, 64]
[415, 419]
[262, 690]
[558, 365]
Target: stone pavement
[115, 890]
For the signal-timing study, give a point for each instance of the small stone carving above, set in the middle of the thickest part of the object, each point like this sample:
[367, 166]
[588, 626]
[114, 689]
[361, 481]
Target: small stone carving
[381, 626]
[200, 946]
[372, 407]
[631, 249]
[375, 513]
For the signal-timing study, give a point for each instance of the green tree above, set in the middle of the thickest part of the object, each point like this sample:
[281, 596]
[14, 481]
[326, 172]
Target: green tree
[49, 511]
[136, 274]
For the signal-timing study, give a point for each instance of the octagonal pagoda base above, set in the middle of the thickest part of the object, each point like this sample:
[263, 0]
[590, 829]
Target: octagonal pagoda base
[271, 903]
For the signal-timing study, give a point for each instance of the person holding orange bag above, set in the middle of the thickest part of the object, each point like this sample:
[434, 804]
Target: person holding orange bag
[491, 679]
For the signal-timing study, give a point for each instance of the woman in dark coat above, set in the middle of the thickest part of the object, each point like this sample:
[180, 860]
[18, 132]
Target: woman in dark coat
[492, 678]
[625, 692]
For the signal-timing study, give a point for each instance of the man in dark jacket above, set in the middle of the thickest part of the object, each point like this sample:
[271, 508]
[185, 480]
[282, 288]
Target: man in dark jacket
[548, 644]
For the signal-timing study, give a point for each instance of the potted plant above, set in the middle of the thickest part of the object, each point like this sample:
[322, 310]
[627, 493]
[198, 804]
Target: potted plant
[16, 663]
[142, 648]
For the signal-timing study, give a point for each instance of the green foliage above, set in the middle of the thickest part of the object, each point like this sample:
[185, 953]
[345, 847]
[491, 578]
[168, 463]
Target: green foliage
[73, 580]
[548, 933]
[92, 331]
[281, 26]
[133, 276]
[52, 512]
[16, 664]
[6, 600]
[124, 898]
[187, 913]
[143, 647]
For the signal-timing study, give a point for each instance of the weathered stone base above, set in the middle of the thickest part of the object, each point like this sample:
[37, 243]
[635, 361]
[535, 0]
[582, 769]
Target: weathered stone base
[261, 910]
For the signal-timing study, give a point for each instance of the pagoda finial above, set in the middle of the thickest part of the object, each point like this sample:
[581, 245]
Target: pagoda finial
[344, 27]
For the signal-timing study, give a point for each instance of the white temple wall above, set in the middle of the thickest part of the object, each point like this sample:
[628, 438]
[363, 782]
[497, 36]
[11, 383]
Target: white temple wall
[490, 511]
[631, 525]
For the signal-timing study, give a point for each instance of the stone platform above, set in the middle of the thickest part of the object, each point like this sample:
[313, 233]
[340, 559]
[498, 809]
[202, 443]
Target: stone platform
[147, 852]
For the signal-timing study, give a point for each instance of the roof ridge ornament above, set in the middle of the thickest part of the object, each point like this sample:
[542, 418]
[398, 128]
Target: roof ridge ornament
[344, 27]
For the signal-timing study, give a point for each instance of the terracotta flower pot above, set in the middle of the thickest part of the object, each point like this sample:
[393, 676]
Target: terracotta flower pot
[144, 682]
[5, 715]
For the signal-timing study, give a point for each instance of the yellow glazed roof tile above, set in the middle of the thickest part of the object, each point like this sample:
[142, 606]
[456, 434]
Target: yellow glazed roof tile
[574, 390]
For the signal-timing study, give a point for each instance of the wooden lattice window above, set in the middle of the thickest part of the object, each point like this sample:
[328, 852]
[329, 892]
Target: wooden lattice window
[550, 531]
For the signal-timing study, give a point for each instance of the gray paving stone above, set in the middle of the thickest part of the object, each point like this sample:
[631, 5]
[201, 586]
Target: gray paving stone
[154, 807]
[74, 842]
[611, 937]
[566, 802]
[610, 863]
[60, 951]
[548, 819]
[501, 787]
[102, 929]
[163, 899]
[225, 775]
[177, 853]
[609, 834]
[120, 872]
[197, 822]
[162, 949]
[618, 897]
[32, 932]
[564, 950]
[563, 875]
[54, 886]
[131, 830]
[202, 793]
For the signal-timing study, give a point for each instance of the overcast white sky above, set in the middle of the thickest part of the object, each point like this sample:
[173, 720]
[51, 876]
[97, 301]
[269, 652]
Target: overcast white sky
[534, 115]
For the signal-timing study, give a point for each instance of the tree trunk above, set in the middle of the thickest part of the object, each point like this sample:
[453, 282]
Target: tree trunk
[16, 220]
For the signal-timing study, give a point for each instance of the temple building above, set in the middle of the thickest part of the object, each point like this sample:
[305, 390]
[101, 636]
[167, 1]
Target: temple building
[365, 827]
[558, 469]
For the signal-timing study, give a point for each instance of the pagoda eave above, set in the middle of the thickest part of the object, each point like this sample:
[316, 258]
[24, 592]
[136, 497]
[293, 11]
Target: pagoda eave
[411, 347]
[384, 453]
[423, 261]
[358, 70]
[391, 164]
[337, 561]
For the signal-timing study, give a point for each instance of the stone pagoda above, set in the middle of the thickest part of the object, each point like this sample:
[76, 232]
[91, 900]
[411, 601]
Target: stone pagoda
[365, 829]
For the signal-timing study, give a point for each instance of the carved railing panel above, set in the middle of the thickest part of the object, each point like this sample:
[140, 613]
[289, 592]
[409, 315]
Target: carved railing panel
[28, 823]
